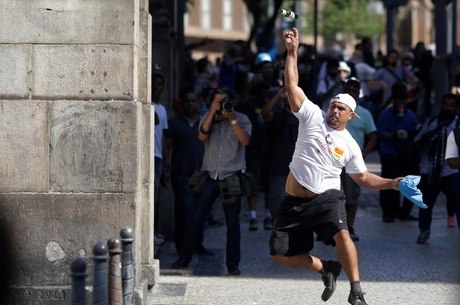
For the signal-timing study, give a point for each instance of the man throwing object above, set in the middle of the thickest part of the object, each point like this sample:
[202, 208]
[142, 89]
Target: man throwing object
[313, 201]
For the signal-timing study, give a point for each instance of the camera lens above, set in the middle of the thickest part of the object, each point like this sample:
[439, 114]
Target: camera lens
[226, 105]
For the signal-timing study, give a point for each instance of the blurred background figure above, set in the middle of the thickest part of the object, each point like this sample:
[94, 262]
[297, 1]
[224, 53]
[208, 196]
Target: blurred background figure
[160, 151]
[423, 70]
[364, 132]
[437, 176]
[202, 83]
[282, 134]
[186, 158]
[396, 129]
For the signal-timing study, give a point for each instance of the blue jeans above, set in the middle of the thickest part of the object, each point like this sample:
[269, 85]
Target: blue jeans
[204, 202]
[449, 186]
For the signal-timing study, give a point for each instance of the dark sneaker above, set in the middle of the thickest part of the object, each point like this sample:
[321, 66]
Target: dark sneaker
[253, 226]
[181, 263]
[268, 223]
[233, 271]
[356, 298]
[331, 272]
[423, 237]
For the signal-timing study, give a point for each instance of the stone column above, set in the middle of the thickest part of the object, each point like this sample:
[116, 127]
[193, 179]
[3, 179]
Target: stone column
[75, 121]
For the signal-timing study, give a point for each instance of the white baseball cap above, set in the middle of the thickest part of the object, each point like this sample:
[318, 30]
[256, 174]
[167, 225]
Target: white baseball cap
[343, 66]
[346, 99]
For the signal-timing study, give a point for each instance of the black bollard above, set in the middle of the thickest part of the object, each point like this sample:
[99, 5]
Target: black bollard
[127, 267]
[115, 287]
[100, 291]
[78, 269]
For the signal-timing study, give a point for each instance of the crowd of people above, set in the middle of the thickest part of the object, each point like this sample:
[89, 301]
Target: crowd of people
[238, 131]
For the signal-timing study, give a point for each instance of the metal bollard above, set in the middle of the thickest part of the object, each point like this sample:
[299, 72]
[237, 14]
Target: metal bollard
[127, 267]
[100, 291]
[115, 287]
[78, 269]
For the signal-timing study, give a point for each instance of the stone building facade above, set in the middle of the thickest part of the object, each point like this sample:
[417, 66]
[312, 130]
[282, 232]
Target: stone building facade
[75, 131]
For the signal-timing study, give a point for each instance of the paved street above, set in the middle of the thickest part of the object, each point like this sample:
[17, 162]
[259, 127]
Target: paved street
[394, 269]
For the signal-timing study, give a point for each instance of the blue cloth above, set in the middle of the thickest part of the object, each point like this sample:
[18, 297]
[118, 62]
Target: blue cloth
[408, 187]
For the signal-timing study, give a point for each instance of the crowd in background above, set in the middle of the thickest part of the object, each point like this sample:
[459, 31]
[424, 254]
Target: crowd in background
[395, 89]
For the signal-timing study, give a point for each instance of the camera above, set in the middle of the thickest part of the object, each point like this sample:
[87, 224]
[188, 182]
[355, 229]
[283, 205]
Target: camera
[226, 105]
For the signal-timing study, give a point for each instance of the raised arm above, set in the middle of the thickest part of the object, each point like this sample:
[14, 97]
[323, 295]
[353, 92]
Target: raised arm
[295, 94]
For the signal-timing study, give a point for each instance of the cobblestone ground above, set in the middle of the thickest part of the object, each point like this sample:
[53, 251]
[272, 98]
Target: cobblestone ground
[394, 269]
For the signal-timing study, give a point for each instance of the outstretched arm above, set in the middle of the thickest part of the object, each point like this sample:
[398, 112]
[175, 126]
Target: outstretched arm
[375, 182]
[295, 94]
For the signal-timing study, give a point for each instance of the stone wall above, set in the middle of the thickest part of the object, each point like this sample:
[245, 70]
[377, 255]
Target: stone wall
[75, 132]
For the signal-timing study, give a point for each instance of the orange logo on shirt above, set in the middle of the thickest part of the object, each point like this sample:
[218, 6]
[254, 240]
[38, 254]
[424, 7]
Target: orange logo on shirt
[338, 153]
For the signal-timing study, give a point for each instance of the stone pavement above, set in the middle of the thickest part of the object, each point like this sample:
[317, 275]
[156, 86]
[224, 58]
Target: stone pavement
[394, 269]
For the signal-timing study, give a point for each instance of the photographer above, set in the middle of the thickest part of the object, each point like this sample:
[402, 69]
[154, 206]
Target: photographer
[225, 134]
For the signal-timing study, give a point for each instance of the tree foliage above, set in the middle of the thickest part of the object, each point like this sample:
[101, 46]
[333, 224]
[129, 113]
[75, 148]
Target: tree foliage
[349, 17]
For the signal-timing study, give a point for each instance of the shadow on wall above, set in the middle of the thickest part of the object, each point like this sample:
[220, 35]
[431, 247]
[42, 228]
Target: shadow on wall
[6, 262]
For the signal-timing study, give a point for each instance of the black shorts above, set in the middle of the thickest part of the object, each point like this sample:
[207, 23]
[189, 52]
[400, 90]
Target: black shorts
[298, 218]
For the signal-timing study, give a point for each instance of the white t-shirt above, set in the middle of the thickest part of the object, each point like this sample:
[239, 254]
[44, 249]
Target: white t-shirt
[451, 147]
[321, 151]
[159, 129]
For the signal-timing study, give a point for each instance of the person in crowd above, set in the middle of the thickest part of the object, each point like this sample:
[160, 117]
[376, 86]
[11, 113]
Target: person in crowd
[368, 52]
[234, 67]
[256, 151]
[313, 200]
[215, 71]
[390, 73]
[436, 175]
[423, 70]
[330, 83]
[160, 152]
[258, 90]
[225, 134]
[186, 158]
[308, 69]
[201, 84]
[413, 86]
[455, 89]
[344, 71]
[282, 135]
[453, 153]
[365, 134]
[369, 87]
[396, 129]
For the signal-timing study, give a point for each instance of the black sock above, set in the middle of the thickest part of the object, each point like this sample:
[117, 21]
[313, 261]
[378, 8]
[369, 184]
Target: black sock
[323, 270]
[355, 286]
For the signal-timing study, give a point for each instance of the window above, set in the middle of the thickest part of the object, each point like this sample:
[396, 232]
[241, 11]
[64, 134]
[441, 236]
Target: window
[205, 14]
[227, 18]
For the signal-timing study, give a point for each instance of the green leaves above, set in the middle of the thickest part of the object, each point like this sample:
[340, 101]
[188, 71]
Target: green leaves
[348, 17]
